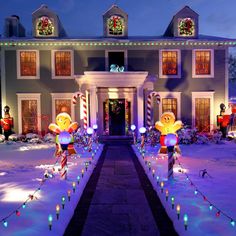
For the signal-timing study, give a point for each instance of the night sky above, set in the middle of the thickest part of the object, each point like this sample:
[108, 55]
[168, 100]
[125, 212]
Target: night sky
[146, 17]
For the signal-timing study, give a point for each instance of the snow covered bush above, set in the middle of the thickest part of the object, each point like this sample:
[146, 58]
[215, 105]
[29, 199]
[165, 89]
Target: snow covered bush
[201, 138]
[49, 138]
[153, 136]
[31, 135]
[35, 140]
[2, 138]
[216, 136]
[187, 135]
[13, 137]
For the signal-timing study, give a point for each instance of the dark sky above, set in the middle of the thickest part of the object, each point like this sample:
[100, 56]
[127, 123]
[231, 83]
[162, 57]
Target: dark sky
[146, 17]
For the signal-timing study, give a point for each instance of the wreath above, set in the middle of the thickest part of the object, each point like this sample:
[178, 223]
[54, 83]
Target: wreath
[115, 25]
[186, 27]
[115, 107]
[45, 26]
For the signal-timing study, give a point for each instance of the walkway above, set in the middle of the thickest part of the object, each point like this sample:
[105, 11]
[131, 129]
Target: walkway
[121, 201]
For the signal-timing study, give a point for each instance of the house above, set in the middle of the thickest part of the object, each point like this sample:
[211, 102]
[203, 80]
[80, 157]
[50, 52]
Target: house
[115, 73]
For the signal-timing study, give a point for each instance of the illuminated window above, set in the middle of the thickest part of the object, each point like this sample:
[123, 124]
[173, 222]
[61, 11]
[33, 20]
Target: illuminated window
[115, 25]
[186, 27]
[169, 104]
[63, 63]
[28, 63]
[63, 105]
[202, 114]
[169, 63]
[203, 63]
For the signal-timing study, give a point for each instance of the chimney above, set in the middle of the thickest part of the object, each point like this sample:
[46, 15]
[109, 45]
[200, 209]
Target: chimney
[13, 27]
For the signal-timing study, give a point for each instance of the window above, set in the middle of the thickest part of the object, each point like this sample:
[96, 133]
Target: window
[203, 64]
[202, 110]
[169, 64]
[27, 64]
[29, 113]
[115, 25]
[62, 102]
[169, 104]
[186, 27]
[63, 64]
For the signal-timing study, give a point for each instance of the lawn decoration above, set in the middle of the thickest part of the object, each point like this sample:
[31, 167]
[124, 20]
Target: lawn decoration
[149, 100]
[64, 140]
[85, 112]
[167, 125]
[223, 120]
[7, 123]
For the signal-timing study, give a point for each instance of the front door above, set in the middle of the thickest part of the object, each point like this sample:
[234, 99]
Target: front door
[117, 116]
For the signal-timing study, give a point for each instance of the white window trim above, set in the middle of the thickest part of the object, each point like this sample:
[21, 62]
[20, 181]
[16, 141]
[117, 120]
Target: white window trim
[179, 63]
[62, 96]
[28, 96]
[207, 94]
[107, 58]
[176, 95]
[53, 65]
[194, 64]
[19, 76]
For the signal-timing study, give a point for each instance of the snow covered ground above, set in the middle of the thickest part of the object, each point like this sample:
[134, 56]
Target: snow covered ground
[220, 189]
[22, 167]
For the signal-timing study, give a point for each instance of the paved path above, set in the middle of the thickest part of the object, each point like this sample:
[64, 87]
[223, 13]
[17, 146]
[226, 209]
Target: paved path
[118, 205]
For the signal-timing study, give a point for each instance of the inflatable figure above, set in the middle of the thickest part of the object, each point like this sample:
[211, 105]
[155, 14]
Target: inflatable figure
[7, 122]
[63, 128]
[167, 125]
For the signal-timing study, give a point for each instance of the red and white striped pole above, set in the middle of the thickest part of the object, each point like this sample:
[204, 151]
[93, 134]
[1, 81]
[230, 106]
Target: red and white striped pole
[63, 171]
[149, 102]
[85, 114]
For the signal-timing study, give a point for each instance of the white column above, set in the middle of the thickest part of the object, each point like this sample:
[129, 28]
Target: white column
[140, 107]
[93, 105]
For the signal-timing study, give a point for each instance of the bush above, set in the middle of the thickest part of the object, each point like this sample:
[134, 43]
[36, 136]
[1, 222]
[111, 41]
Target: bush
[2, 138]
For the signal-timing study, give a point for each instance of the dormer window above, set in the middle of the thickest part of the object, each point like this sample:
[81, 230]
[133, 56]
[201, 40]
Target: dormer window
[115, 25]
[186, 27]
[45, 26]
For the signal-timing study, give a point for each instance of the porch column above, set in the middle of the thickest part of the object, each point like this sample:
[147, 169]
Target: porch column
[93, 105]
[140, 111]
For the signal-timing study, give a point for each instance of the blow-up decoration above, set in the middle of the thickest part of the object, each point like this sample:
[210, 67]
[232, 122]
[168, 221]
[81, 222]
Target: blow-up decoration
[186, 27]
[85, 114]
[7, 122]
[116, 68]
[45, 26]
[64, 140]
[115, 25]
[167, 125]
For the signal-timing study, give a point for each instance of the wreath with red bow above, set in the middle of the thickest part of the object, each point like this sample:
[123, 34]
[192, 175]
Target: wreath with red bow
[186, 27]
[45, 26]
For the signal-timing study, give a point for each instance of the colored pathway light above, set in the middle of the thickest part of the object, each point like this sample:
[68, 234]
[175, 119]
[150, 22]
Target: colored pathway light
[63, 200]
[24, 206]
[232, 222]
[5, 223]
[158, 178]
[172, 202]
[17, 213]
[170, 140]
[210, 207]
[185, 221]
[162, 186]
[178, 210]
[57, 210]
[86, 165]
[68, 194]
[195, 192]
[78, 179]
[82, 171]
[50, 221]
[153, 173]
[167, 194]
[73, 186]
[149, 165]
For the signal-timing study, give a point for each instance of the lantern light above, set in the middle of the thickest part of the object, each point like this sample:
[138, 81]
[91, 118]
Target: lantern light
[57, 210]
[89, 131]
[170, 140]
[50, 218]
[64, 137]
[142, 130]
[133, 127]
[185, 221]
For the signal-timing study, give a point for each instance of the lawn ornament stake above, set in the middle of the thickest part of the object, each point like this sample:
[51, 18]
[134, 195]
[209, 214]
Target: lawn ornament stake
[167, 125]
[64, 139]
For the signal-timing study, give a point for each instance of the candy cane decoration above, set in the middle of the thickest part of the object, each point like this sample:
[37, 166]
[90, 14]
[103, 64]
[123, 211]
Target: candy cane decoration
[152, 94]
[82, 96]
[63, 170]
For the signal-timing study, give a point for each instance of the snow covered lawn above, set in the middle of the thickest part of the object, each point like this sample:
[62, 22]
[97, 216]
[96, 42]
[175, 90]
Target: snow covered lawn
[220, 189]
[22, 167]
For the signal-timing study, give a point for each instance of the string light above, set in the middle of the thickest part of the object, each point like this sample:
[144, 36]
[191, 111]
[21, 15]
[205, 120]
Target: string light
[172, 202]
[57, 211]
[153, 173]
[73, 186]
[78, 179]
[68, 194]
[162, 186]
[17, 213]
[5, 223]
[82, 173]
[178, 210]
[185, 221]
[210, 207]
[50, 218]
[63, 200]
[167, 194]
[232, 222]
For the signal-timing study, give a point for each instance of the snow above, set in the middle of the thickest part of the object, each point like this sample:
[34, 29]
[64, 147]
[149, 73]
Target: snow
[220, 189]
[22, 167]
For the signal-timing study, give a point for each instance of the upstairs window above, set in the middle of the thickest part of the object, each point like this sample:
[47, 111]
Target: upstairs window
[62, 64]
[186, 27]
[203, 63]
[169, 64]
[169, 105]
[27, 64]
[115, 25]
